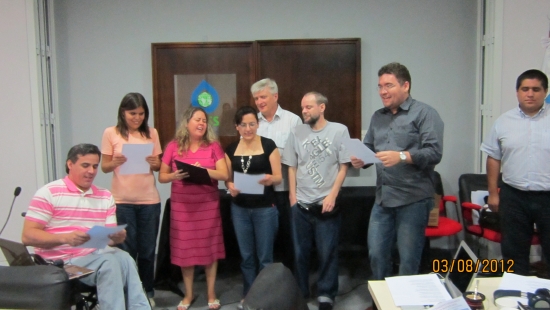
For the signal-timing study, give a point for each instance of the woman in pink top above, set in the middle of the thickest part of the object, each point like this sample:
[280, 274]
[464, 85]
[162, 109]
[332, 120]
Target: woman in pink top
[136, 196]
[196, 236]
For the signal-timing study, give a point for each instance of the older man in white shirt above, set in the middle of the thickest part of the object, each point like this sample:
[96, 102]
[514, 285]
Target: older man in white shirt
[276, 124]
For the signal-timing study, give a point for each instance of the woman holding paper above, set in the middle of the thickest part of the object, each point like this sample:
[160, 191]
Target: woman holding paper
[136, 196]
[255, 216]
[196, 236]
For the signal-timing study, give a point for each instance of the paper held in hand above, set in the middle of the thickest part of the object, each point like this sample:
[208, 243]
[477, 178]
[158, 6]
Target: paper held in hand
[360, 150]
[135, 158]
[99, 236]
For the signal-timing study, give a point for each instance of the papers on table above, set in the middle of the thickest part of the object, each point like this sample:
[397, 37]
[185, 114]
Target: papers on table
[419, 290]
[454, 304]
[358, 149]
[512, 281]
[248, 183]
[99, 236]
[135, 158]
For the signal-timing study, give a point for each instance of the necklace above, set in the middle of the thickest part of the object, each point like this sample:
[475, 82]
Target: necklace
[247, 163]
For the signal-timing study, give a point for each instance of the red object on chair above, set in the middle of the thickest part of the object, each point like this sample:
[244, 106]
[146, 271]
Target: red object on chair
[446, 226]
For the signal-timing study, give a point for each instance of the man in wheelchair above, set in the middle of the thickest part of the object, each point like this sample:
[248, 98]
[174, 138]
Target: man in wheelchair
[60, 214]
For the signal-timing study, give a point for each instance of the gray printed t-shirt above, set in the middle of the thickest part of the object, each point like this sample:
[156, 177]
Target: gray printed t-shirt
[317, 156]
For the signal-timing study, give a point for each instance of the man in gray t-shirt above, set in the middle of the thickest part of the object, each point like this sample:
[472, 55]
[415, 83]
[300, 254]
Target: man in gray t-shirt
[317, 165]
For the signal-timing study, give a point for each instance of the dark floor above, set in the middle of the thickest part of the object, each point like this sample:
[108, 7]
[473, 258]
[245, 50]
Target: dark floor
[353, 293]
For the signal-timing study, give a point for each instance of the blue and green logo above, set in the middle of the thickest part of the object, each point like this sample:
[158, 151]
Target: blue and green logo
[206, 97]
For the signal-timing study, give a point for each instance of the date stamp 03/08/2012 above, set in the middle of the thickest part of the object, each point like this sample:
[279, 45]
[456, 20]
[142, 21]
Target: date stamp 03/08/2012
[469, 265]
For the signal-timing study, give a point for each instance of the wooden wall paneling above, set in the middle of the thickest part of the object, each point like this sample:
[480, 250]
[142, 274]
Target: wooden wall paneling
[331, 67]
[170, 59]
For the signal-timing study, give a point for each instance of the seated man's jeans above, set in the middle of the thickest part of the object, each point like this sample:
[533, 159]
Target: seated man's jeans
[116, 278]
[408, 223]
[326, 232]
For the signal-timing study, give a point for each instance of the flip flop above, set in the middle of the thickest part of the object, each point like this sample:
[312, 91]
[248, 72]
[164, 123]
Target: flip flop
[182, 306]
[215, 305]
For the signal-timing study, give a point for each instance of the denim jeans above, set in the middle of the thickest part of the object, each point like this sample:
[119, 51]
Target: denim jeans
[116, 279]
[141, 238]
[326, 231]
[407, 223]
[519, 210]
[255, 229]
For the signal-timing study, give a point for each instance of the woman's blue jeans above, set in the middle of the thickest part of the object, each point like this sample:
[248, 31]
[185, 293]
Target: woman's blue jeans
[141, 238]
[255, 229]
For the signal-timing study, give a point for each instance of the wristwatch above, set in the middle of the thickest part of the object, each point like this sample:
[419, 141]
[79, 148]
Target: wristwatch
[402, 156]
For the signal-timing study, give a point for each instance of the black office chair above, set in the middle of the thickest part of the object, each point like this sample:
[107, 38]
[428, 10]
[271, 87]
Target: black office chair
[472, 182]
[275, 288]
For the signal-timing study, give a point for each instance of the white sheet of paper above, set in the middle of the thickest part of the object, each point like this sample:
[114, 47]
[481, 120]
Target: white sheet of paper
[99, 236]
[135, 158]
[419, 290]
[248, 183]
[477, 197]
[512, 281]
[358, 149]
[454, 304]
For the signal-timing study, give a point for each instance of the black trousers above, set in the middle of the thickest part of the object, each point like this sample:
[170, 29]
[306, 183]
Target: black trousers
[283, 242]
[519, 210]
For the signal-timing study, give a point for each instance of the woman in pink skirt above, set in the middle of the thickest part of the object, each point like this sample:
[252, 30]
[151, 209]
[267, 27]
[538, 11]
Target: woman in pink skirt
[196, 236]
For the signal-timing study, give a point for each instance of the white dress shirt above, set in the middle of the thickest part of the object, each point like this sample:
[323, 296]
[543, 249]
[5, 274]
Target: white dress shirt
[522, 144]
[278, 130]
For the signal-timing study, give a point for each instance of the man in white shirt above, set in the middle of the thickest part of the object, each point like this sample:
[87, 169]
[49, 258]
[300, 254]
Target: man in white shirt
[519, 145]
[276, 124]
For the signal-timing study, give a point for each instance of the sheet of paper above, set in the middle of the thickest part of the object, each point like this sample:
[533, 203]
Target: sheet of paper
[477, 197]
[135, 158]
[358, 149]
[99, 236]
[419, 290]
[454, 304]
[512, 281]
[248, 183]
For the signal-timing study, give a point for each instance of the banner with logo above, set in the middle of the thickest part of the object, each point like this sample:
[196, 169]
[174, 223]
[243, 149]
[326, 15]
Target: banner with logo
[215, 93]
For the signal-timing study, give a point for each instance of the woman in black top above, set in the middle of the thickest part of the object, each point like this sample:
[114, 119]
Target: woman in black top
[255, 216]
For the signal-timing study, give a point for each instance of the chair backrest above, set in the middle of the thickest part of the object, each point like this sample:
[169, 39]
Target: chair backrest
[467, 183]
[275, 288]
[438, 186]
[34, 287]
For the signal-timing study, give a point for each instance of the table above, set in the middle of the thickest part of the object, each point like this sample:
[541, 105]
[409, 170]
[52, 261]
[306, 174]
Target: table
[381, 295]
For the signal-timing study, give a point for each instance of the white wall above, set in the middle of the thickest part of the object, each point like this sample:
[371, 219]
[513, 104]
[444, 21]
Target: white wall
[18, 123]
[525, 23]
[104, 51]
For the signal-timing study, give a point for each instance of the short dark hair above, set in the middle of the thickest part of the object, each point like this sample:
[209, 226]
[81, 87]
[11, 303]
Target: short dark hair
[400, 71]
[319, 98]
[533, 74]
[82, 149]
[132, 101]
[242, 111]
